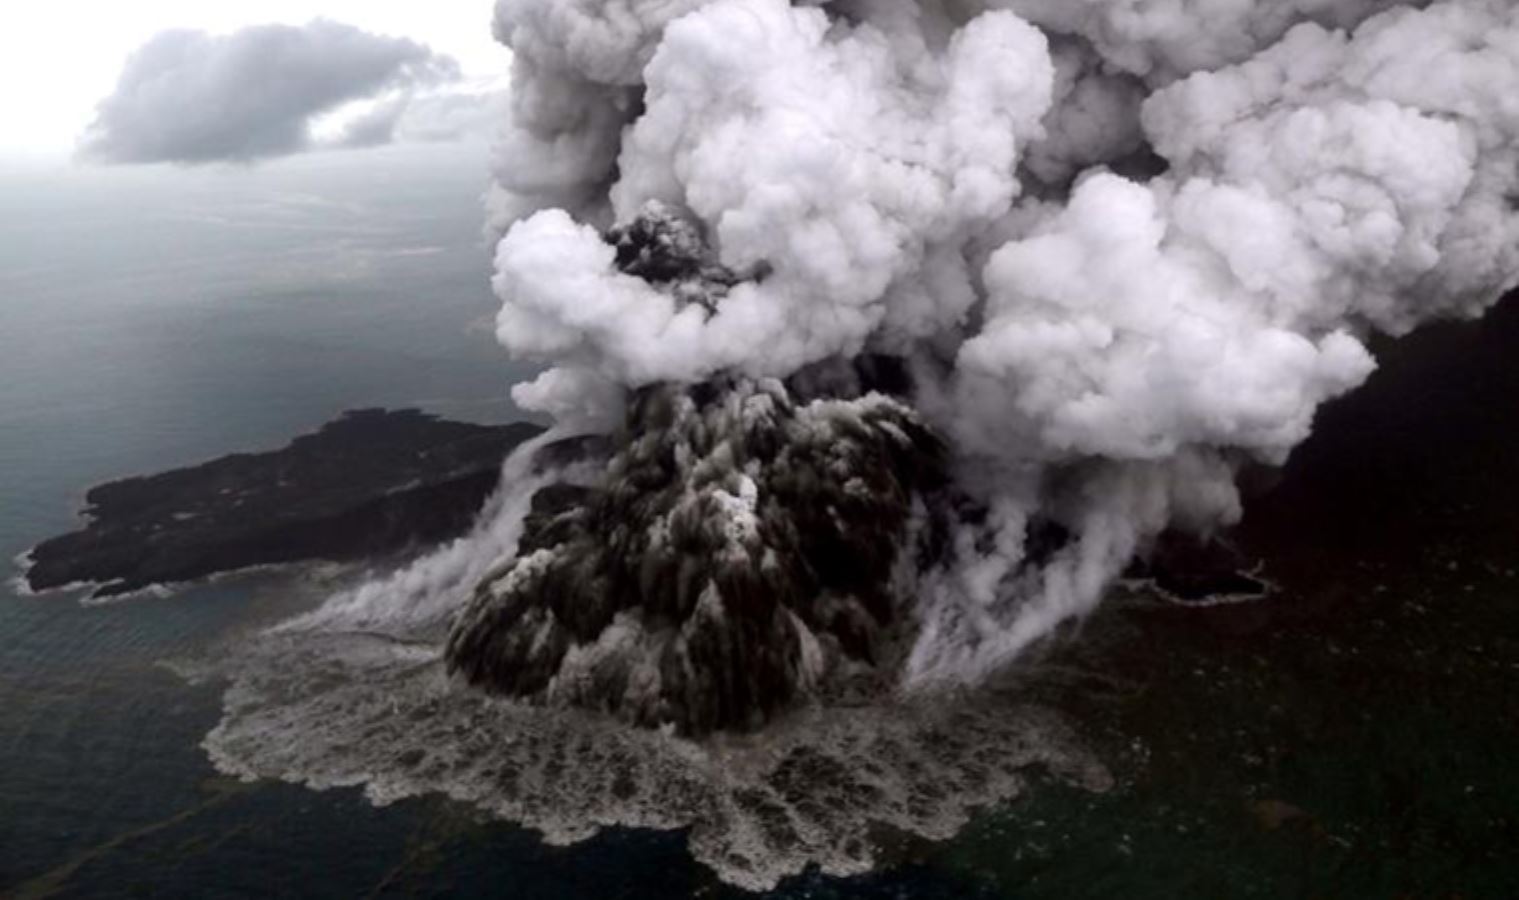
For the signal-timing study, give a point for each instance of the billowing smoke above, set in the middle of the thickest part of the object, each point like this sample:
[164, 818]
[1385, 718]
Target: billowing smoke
[1118, 248]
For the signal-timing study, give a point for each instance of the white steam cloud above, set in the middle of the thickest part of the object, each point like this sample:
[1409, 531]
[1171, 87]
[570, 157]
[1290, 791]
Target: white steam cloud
[1126, 245]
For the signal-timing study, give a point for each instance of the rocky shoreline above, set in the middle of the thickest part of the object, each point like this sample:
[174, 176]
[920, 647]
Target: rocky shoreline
[372, 481]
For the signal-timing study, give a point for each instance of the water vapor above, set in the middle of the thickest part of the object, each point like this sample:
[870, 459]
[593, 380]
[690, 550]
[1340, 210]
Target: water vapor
[1124, 247]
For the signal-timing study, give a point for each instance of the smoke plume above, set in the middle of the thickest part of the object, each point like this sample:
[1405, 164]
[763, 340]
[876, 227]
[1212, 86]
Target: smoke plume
[1123, 248]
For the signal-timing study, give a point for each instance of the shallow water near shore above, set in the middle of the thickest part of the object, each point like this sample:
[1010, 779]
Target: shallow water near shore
[1350, 736]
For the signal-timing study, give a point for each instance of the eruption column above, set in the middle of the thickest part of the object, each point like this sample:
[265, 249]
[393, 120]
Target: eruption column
[1116, 250]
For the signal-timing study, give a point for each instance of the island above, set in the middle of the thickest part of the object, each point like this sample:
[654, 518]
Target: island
[373, 481]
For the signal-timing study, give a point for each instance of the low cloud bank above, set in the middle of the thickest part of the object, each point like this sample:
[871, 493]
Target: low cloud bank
[191, 97]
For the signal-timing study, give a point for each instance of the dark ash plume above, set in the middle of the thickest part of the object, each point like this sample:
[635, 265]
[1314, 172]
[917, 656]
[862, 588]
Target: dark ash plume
[739, 550]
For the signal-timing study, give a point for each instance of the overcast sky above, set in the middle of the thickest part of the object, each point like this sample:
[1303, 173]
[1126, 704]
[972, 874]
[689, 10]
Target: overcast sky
[59, 58]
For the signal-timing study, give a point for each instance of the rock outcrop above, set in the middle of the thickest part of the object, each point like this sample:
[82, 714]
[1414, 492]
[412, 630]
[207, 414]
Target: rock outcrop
[371, 482]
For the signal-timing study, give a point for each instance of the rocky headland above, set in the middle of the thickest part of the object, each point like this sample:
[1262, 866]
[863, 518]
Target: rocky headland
[373, 481]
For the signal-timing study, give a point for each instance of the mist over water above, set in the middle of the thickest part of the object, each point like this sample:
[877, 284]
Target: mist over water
[224, 306]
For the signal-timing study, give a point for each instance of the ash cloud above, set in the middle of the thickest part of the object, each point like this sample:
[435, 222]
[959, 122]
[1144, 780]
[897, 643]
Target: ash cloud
[1109, 254]
[191, 97]
[1123, 248]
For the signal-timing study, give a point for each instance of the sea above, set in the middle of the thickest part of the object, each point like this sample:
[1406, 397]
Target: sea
[1354, 741]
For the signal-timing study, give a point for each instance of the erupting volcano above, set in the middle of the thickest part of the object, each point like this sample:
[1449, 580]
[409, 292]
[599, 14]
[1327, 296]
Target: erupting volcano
[741, 543]
[881, 338]
[1070, 265]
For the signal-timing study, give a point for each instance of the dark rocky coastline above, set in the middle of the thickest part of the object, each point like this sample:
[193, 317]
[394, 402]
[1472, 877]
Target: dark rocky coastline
[373, 481]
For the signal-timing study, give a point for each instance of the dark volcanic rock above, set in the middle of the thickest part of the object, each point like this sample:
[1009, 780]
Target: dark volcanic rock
[668, 250]
[370, 482]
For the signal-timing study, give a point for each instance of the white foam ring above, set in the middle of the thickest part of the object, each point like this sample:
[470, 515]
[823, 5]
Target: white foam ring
[17, 583]
[333, 710]
[357, 695]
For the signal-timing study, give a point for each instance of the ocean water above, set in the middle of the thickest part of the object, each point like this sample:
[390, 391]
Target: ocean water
[161, 317]
[156, 318]
[1353, 737]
